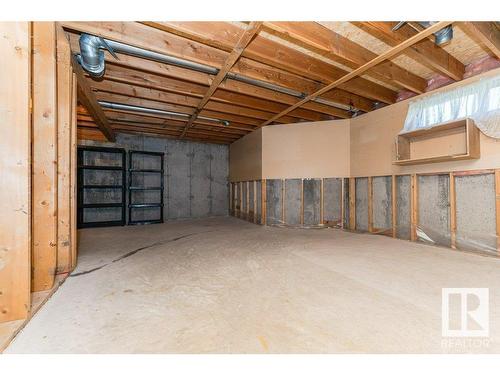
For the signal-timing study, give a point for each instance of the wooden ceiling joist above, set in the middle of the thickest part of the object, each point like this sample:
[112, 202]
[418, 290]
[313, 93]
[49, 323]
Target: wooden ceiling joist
[488, 33]
[88, 99]
[386, 55]
[425, 52]
[243, 41]
[223, 35]
[323, 41]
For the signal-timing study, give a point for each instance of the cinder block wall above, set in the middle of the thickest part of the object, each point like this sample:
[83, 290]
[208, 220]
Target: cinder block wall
[195, 177]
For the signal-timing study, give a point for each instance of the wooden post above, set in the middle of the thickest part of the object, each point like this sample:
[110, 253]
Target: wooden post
[352, 203]
[240, 188]
[302, 202]
[453, 212]
[263, 202]
[44, 151]
[231, 199]
[15, 155]
[248, 201]
[414, 207]
[283, 200]
[497, 206]
[342, 203]
[255, 202]
[370, 204]
[394, 206]
[321, 207]
[64, 118]
[74, 180]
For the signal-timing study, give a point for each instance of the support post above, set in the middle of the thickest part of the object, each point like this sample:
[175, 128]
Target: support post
[394, 206]
[453, 212]
[263, 202]
[370, 204]
[352, 203]
[414, 207]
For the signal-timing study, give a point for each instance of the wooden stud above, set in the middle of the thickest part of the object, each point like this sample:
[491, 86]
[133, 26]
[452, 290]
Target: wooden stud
[302, 202]
[497, 206]
[352, 203]
[342, 203]
[15, 155]
[263, 203]
[370, 204]
[255, 202]
[241, 200]
[248, 201]
[394, 206]
[44, 149]
[64, 118]
[453, 212]
[322, 203]
[283, 182]
[414, 207]
[231, 199]
[73, 180]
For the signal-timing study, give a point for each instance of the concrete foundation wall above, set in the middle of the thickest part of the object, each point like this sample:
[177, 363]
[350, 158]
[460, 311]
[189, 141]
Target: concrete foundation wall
[274, 201]
[382, 202]
[332, 199]
[312, 201]
[362, 204]
[403, 196]
[293, 201]
[195, 177]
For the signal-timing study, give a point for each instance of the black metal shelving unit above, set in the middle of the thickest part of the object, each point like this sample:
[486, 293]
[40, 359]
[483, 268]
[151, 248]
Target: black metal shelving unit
[82, 186]
[131, 188]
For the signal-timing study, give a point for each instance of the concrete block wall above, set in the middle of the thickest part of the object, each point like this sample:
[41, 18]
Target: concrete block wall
[195, 174]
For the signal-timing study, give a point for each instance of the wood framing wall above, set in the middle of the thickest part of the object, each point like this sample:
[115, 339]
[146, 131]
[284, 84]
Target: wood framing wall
[37, 158]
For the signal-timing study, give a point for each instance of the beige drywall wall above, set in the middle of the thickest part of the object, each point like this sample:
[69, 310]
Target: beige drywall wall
[306, 150]
[245, 157]
[372, 149]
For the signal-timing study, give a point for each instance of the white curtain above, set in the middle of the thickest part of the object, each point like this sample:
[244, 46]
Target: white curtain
[479, 101]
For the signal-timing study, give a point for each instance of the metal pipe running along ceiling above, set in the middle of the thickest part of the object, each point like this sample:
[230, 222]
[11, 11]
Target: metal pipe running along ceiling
[153, 111]
[126, 49]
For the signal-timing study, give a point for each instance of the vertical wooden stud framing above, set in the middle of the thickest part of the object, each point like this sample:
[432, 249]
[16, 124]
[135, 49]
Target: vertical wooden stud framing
[240, 188]
[44, 153]
[414, 207]
[352, 203]
[393, 205]
[283, 201]
[248, 201]
[497, 206]
[342, 203]
[322, 205]
[302, 202]
[73, 179]
[370, 204]
[15, 155]
[263, 203]
[255, 202]
[231, 199]
[64, 118]
[453, 212]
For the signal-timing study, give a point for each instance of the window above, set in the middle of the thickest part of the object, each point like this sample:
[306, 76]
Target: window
[479, 101]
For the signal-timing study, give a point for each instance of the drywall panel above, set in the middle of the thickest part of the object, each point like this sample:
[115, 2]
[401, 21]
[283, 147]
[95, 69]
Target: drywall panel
[306, 150]
[362, 204]
[475, 207]
[382, 202]
[274, 205]
[312, 201]
[403, 195]
[245, 157]
[372, 137]
[433, 209]
[293, 201]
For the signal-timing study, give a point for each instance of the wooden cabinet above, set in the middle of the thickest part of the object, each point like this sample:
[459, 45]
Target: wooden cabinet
[454, 140]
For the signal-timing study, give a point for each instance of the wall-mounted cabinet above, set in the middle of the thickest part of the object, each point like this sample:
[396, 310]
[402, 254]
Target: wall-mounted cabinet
[456, 140]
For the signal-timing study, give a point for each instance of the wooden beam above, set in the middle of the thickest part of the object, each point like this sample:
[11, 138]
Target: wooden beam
[425, 52]
[325, 42]
[386, 55]
[394, 205]
[64, 119]
[158, 41]
[222, 35]
[413, 207]
[453, 212]
[497, 207]
[244, 40]
[88, 99]
[15, 159]
[44, 151]
[488, 33]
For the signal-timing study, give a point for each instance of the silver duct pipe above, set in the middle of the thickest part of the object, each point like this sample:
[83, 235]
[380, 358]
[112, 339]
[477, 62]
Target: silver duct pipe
[441, 37]
[166, 59]
[91, 56]
[154, 111]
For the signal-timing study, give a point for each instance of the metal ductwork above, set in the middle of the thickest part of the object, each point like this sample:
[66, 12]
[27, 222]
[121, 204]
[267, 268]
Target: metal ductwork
[126, 49]
[91, 56]
[154, 111]
[441, 37]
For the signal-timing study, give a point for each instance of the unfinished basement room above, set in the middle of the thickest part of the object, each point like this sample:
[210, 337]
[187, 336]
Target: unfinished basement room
[250, 187]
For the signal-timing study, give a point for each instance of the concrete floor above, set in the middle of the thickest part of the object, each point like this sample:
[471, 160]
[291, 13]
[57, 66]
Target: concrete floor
[227, 286]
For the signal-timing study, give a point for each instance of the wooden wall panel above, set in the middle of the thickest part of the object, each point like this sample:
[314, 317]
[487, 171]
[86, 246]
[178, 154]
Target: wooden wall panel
[44, 153]
[15, 134]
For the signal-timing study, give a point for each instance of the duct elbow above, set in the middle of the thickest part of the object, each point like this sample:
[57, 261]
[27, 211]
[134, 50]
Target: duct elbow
[91, 56]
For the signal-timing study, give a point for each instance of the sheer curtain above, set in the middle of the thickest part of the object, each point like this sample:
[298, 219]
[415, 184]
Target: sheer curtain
[479, 101]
